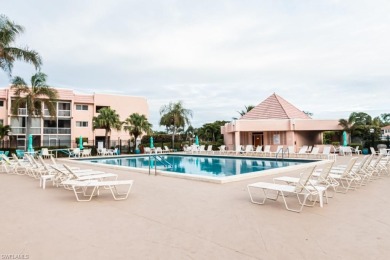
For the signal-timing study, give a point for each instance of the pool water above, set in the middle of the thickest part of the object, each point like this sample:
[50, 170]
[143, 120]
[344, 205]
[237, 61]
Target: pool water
[200, 165]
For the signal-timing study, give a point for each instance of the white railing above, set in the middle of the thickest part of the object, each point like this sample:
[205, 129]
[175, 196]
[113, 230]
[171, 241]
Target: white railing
[55, 130]
[63, 112]
[64, 131]
[22, 111]
[18, 130]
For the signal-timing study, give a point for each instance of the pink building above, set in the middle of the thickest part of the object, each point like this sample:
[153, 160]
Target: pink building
[74, 118]
[276, 122]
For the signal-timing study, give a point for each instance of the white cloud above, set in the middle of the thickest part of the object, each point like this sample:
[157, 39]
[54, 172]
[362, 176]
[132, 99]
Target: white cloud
[326, 57]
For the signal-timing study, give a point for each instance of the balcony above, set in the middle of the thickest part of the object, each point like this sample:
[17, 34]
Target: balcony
[22, 130]
[22, 111]
[55, 130]
[60, 113]
[18, 130]
[65, 113]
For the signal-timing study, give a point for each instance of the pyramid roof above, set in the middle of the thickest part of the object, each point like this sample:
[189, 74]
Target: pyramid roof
[275, 107]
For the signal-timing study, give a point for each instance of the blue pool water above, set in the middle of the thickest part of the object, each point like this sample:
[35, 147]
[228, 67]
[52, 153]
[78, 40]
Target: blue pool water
[199, 165]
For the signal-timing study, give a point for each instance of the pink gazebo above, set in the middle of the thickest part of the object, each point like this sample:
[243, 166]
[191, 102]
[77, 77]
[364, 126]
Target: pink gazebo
[274, 122]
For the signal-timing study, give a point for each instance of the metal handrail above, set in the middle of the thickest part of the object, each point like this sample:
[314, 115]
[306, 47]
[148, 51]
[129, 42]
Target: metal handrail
[281, 149]
[160, 159]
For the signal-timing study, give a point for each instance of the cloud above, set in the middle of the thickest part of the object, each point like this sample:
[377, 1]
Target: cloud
[327, 57]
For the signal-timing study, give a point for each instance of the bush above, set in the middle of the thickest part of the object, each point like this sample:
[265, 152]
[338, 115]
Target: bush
[336, 143]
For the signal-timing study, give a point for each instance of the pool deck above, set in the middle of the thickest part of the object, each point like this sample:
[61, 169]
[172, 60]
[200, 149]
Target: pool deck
[173, 218]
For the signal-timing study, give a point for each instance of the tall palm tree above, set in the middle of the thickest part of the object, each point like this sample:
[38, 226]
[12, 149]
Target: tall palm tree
[4, 131]
[246, 110]
[33, 98]
[173, 116]
[137, 124]
[107, 119]
[8, 52]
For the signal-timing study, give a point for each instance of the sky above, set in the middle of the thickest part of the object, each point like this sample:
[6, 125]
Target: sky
[329, 58]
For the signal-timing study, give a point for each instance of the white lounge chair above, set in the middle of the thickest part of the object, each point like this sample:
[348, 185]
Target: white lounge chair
[86, 153]
[80, 188]
[327, 154]
[300, 189]
[321, 182]
[267, 150]
[248, 149]
[258, 150]
[222, 149]
[357, 151]
[278, 151]
[45, 153]
[346, 177]
[210, 149]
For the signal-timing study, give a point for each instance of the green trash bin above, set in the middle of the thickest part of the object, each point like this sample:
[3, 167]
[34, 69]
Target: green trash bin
[365, 151]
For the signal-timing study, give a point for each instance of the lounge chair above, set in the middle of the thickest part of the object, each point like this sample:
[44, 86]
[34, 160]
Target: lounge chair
[302, 152]
[86, 152]
[19, 153]
[321, 182]
[80, 188]
[222, 149]
[301, 188]
[158, 150]
[267, 150]
[248, 149]
[327, 154]
[290, 151]
[166, 149]
[210, 149]
[356, 150]
[278, 151]
[45, 153]
[346, 177]
[258, 150]
[314, 152]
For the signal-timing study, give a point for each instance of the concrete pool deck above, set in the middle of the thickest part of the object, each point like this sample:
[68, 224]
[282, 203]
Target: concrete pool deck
[173, 218]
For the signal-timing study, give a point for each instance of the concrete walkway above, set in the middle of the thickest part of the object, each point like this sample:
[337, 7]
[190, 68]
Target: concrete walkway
[172, 218]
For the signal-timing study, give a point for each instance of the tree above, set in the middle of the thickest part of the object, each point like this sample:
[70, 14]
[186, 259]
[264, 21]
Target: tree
[385, 119]
[173, 116]
[4, 131]
[107, 119]
[137, 124]
[8, 52]
[33, 98]
[243, 112]
[308, 113]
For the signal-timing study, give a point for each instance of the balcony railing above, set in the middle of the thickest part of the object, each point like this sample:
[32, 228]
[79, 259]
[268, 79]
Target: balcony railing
[22, 130]
[22, 111]
[65, 113]
[18, 130]
[55, 130]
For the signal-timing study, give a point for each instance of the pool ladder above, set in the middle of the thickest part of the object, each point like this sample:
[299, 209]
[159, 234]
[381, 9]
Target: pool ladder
[283, 152]
[160, 159]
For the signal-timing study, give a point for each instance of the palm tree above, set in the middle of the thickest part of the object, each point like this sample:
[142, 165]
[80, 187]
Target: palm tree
[107, 119]
[33, 98]
[137, 124]
[8, 53]
[4, 131]
[243, 112]
[173, 116]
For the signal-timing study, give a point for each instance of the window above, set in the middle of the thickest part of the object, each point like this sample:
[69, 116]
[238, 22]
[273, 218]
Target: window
[81, 107]
[1, 103]
[81, 123]
[1, 122]
[100, 107]
[63, 106]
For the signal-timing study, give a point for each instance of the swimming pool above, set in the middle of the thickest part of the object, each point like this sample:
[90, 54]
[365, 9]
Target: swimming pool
[198, 165]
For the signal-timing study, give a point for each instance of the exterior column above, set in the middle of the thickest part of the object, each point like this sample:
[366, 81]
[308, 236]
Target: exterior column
[236, 139]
